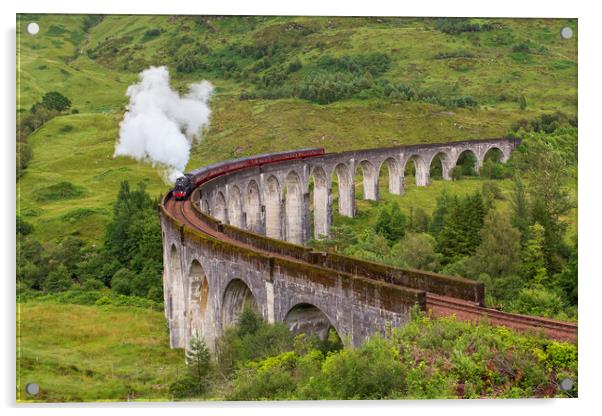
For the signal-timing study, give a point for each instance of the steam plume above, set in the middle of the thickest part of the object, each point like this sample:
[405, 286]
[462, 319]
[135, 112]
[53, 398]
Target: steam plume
[159, 125]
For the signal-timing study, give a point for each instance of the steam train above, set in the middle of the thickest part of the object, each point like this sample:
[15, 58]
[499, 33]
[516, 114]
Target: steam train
[189, 181]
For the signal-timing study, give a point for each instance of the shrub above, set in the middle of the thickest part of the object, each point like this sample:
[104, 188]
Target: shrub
[58, 280]
[372, 371]
[62, 190]
[538, 301]
[56, 101]
[456, 172]
[121, 282]
[417, 251]
[184, 387]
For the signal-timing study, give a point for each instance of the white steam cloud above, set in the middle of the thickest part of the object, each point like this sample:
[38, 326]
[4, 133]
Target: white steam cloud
[159, 125]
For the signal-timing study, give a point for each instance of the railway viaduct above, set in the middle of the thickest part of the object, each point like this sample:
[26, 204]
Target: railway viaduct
[238, 241]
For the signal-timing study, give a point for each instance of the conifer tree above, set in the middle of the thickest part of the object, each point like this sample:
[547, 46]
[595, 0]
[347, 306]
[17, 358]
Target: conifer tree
[197, 362]
[533, 255]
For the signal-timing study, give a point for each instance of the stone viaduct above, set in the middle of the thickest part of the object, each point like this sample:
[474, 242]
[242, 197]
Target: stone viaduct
[238, 241]
[276, 200]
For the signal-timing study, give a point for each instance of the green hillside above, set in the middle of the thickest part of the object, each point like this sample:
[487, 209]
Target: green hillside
[88, 326]
[416, 80]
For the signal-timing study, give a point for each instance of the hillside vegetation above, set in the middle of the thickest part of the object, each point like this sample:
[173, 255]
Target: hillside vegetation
[388, 81]
[89, 252]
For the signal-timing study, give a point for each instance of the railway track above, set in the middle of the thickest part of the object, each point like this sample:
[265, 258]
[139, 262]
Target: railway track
[437, 305]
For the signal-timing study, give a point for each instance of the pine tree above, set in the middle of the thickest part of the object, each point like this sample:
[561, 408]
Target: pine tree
[460, 234]
[197, 362]
[533, 255]
[520, 207]
[444, 203]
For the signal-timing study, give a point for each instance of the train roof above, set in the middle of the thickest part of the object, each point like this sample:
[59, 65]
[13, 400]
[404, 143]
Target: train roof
[243, 159]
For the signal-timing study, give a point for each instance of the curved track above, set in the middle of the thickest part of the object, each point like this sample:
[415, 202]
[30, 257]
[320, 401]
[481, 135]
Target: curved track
[184, 213]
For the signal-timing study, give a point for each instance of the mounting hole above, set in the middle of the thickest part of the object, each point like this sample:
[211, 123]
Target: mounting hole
[32, 388]
[566, 384]
[33, 28]
[566, 32]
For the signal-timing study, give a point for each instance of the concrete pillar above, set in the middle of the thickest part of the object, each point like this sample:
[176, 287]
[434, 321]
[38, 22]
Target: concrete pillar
[219, 210]
[235, 207]
[370, 181]
[294, 209]
[322, 204]
[253, 208]
[273, 209]
[422, 171]
[346, 185]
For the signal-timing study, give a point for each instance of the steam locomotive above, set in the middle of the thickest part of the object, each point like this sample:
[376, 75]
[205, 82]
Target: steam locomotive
[189, 181]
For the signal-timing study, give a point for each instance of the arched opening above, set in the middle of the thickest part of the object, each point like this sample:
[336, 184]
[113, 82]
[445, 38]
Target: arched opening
[493, 160]
[235, 207]
[415, 168]
[175, 299]
[308, 319]
[369, 180]
[273, 216]
[344, 190]
[199, 294]
[466, 164]
[253, 207]
[219, 207]
[294, 209]
[439, 167]
[321, 211]
[237, 297]
[390, 174]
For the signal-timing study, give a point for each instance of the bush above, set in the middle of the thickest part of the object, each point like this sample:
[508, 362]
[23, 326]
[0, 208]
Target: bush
[256, 340]
[416, 251]
[456, 173]
[372, 371]
[56, 101]
[121, 282]
[184, 387]
[391, 223]
[60, 191]
[538, 301]
[457, 25]
[58, 280]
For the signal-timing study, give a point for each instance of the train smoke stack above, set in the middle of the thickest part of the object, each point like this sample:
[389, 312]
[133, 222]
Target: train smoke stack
[160, 126]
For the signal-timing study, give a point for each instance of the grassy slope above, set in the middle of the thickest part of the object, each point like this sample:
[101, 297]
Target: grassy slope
[82, 153]
[86, 353]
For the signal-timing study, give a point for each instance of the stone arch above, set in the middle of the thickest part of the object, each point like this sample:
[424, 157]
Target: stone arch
[494, 153]
[235, 207]
[309, 319]
[472, 155]
[322, 203]
[273, 208]
[421, 173]
[237, 296]
[198, 297]
[253, 207]
[175, 299]
[219, 207]
[395, 177]
[445, 160]
[294, 208]
[346, 190]
[369, 180]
